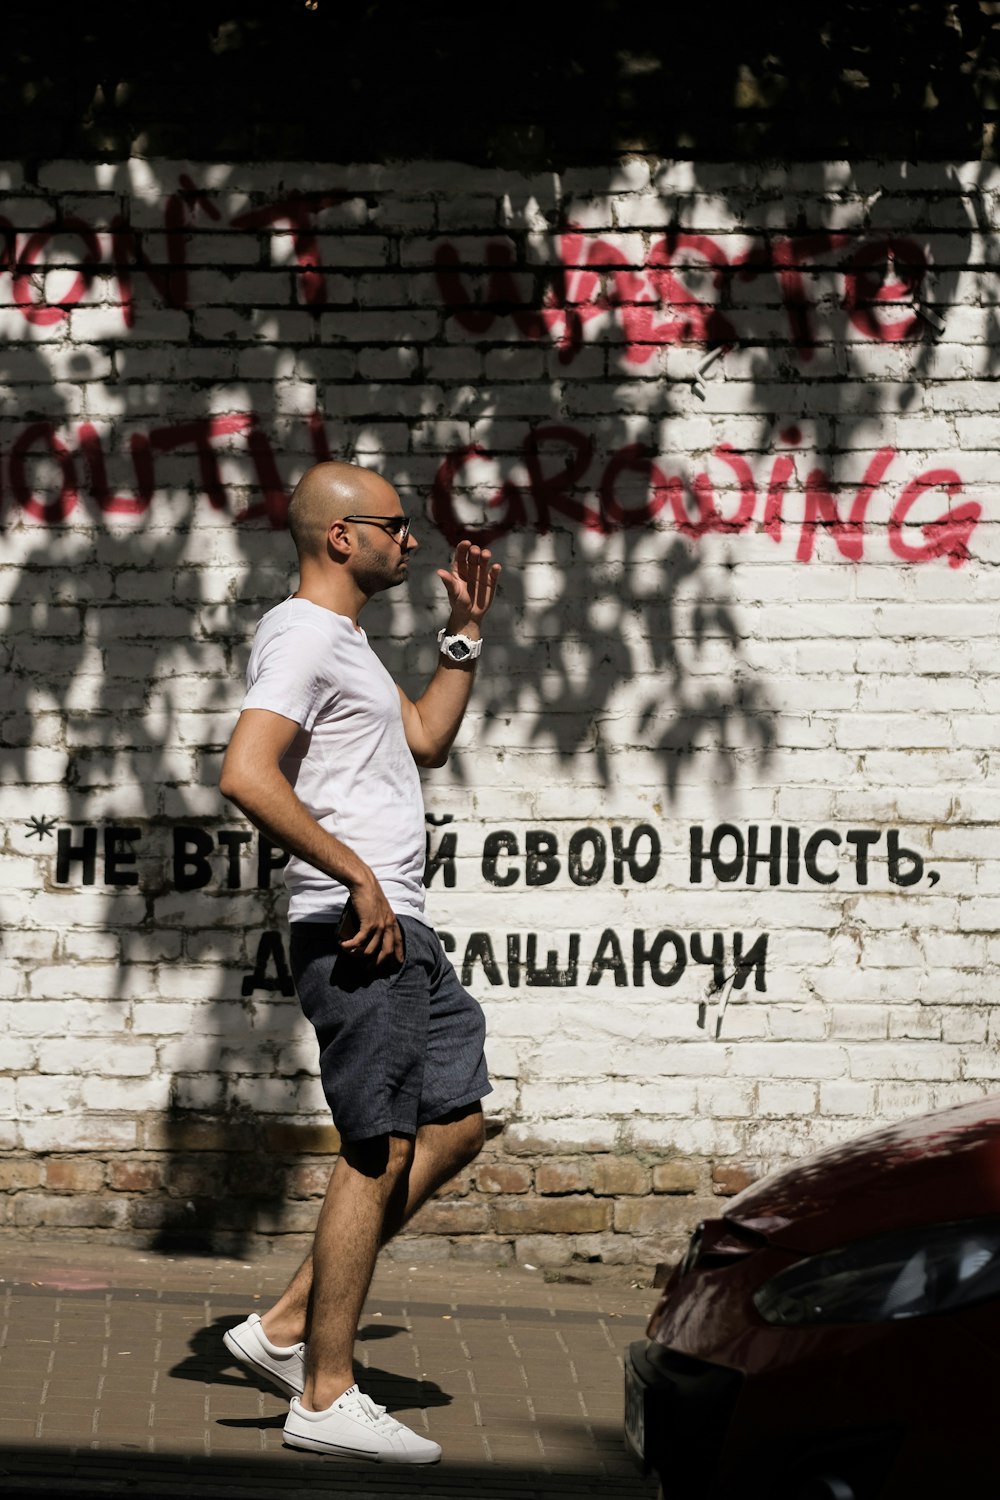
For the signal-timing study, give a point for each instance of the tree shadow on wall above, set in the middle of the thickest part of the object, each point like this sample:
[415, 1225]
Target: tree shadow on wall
[605, 633]
[226, 1184]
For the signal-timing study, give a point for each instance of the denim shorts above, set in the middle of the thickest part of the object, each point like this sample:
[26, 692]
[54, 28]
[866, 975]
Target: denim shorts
[398, 1047]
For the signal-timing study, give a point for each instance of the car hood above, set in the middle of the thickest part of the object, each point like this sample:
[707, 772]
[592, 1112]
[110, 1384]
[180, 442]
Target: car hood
[934, 1169]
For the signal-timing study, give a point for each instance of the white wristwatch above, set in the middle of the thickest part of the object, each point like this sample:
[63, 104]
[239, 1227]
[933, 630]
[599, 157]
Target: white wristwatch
[458, 647]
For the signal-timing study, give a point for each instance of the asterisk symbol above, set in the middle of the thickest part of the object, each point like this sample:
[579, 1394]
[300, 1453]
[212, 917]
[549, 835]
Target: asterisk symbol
[40, 828]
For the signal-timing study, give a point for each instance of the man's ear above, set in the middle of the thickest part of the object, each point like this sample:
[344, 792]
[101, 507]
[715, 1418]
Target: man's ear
[338, 539]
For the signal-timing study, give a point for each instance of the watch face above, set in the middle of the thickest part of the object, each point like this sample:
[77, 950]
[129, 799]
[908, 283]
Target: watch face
[459, 650]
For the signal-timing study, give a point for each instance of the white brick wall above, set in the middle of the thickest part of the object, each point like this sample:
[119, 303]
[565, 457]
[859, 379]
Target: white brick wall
[705, 619]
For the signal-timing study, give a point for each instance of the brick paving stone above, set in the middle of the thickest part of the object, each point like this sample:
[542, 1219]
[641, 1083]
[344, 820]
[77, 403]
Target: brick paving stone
[114, 1379]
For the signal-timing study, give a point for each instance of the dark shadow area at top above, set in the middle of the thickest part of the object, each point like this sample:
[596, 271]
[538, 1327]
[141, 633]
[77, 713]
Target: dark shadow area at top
[525, 86]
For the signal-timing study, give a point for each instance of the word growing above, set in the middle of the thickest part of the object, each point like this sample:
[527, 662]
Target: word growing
[559, 475]
[596, 277]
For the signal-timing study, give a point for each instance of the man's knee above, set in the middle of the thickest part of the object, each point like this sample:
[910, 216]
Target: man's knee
[476, 1134]
[464, 1135]
[381, 1156]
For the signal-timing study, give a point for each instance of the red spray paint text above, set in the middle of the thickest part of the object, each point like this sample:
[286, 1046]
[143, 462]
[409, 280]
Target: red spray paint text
[560, 467]
[121, 252]
[593, 277]
[563, 481]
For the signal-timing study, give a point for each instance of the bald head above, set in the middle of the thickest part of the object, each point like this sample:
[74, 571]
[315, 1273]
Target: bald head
[330, 491]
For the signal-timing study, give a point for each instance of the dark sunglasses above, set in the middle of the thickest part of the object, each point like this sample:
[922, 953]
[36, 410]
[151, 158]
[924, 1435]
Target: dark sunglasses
[396, 526]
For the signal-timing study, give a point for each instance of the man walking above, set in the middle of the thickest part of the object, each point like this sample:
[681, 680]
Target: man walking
[324, 760]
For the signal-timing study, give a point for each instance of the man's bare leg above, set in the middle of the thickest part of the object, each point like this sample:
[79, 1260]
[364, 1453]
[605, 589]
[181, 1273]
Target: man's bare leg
[440, 1150]
[286, 1322]
[345, 1247]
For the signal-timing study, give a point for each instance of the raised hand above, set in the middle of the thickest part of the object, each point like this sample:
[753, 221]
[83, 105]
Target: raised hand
[471, 584]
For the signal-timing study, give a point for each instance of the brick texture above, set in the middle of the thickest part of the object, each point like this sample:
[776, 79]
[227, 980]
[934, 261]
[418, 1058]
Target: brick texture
[715, 845]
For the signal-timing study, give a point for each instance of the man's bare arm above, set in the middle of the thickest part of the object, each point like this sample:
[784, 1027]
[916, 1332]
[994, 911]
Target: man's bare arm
[432, 721]
[252, 778]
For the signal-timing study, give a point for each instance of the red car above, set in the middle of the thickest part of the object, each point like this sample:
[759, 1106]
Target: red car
[836, 1334]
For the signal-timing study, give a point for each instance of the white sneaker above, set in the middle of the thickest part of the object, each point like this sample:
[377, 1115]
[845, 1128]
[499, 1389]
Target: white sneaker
[283, 1367]
[356, 1427]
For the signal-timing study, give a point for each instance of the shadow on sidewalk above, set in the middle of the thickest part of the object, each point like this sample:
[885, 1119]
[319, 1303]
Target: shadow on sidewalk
[210, 1362]
[85, 1474]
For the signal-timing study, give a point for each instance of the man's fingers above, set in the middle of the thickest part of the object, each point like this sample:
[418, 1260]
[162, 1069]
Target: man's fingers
[391, 946]
[468, 559]
[378, 947]
[487, 582]
[472, 582]
[379, 941]
[475, 567]
[483, 588]
[477, 571]
[366, 942]
[451, 582]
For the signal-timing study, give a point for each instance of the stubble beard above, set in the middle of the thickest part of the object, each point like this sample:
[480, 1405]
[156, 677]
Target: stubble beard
[380, 572]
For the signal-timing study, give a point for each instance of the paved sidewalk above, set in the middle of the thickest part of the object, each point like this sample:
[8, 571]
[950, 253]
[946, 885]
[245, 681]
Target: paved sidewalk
[114, 1380]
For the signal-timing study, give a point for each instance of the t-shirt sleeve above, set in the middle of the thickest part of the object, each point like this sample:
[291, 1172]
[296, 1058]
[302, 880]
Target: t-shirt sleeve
[291, 674]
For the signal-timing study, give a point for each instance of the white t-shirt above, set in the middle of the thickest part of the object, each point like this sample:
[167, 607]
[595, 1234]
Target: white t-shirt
[351, 765]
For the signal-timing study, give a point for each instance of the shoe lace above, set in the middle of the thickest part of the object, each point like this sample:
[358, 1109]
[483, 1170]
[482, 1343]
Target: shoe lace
[377, 1415]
